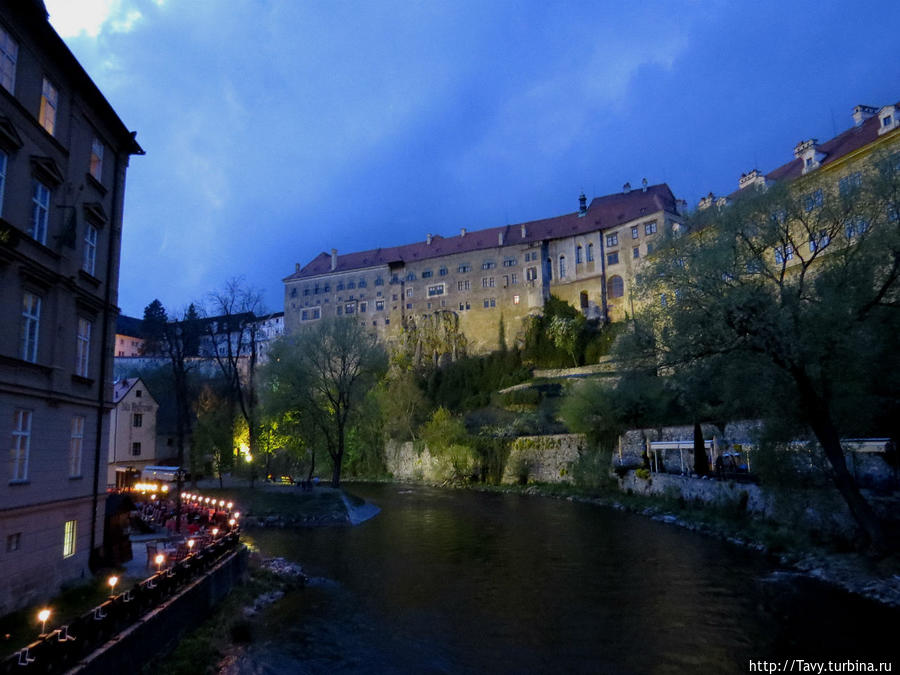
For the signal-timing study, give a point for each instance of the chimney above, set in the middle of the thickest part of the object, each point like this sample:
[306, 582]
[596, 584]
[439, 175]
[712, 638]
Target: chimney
[428, 239]
[582, 204]
[296, 267]
[644, 185]
[863, 112]
[462, 232]
[333, 259]
[523, 231]
[500, 238]
[626, 188]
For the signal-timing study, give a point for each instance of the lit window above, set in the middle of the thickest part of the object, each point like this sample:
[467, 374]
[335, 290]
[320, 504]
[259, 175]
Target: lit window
[31, 320]
[612, 258]
[40, 211]
[96, 166]
[136, 449]
[612, 239]
[9, 52]
[69, 539]
[90, 249]
[83, 347]
[21, 444]
[76, 442]
[137, 420]
[515, 299]
[49, 103]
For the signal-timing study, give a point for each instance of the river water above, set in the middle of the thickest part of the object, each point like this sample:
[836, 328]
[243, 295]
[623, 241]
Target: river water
[447, 581]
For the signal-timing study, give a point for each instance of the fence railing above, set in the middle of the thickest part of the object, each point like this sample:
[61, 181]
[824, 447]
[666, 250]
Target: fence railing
[63, 647]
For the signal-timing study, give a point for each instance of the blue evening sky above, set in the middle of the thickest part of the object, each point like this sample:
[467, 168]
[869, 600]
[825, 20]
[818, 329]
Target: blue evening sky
[277, 129]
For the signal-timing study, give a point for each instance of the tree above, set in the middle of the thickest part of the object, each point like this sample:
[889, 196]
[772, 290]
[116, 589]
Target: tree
[321, 375]
[801, 285]
[173, 339]
[233, 333]
[213, 436]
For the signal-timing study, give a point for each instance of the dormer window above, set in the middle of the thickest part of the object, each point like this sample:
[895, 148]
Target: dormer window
[889, 119]
[808, 152]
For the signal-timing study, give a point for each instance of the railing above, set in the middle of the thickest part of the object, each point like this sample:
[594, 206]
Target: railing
[61, 649]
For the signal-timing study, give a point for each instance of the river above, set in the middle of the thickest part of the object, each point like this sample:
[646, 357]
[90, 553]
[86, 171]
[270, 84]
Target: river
[448, 581]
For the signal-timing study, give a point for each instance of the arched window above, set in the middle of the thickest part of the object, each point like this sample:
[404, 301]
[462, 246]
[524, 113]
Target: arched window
[562, 266]
[615, 287]
[590, 253]
[578, 251]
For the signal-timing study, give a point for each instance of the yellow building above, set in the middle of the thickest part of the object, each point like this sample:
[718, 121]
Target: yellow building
[587, 258]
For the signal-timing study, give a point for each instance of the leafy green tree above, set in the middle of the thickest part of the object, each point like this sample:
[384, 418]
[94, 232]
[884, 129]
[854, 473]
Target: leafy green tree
[803, 288]
[448, 441]
[404, 407]
[321, 375]
[213, 435]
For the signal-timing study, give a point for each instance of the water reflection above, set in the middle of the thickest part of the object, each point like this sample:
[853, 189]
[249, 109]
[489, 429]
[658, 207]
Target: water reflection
[457, 582]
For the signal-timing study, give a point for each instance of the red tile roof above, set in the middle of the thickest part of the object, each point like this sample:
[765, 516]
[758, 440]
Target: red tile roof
[843, 144]
[602, 213]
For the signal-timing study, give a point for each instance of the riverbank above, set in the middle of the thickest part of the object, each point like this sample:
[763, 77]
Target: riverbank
[280, 506]
[853, 572]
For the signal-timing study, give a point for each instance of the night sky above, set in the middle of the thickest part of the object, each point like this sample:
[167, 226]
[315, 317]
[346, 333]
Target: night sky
[277, 129]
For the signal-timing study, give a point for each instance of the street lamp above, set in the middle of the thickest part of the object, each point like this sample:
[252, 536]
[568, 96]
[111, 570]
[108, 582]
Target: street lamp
[231, 521]
[113, 580]
[159, 560]
[190, 545]
[43, 615]
[215, 531]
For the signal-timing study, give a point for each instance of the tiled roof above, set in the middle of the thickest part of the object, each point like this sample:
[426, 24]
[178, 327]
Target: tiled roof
[602, 213]
[122, 387]
[843, 144]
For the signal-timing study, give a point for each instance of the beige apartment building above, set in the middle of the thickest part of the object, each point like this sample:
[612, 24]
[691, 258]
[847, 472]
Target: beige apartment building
[587, 258]
[63, 157]
[132, 428]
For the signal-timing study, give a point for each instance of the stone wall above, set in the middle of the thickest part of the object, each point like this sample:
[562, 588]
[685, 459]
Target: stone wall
[544, 459]
[405, 463]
